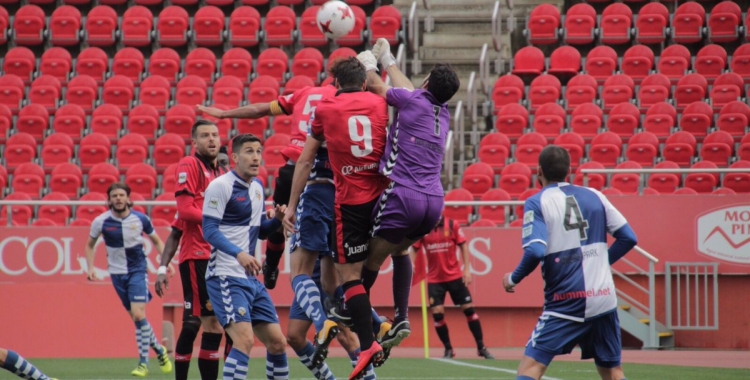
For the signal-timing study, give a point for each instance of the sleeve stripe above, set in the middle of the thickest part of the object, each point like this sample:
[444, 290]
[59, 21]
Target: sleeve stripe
[534, 241]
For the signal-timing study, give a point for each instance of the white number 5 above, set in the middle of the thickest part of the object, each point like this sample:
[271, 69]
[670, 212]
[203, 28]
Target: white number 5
[365, 136]
[309, 108]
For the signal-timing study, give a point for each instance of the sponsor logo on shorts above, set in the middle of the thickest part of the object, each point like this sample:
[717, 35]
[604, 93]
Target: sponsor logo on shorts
[209, 307]
[528, 217]
[581, 294]
[139, 297]
[182, 178]
[349, 169]
[353, 250]
[188, 305]
[242, 311]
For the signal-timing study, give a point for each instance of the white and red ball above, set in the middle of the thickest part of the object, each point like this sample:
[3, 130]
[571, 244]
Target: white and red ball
[335, 19]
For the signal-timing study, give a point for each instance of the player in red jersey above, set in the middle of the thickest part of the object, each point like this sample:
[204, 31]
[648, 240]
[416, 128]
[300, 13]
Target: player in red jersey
[444, 274]
[353, 126]
[193, 175]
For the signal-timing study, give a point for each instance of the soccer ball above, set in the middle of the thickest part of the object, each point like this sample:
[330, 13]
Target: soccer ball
[335, 19]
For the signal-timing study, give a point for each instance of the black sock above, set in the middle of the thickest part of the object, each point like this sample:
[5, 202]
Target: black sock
[402, 272]
[227, 345]
[183, 350]
[368, 278]
[208, 360]
[358, 304]
[442, 330]
[274, 249]
[475, 326]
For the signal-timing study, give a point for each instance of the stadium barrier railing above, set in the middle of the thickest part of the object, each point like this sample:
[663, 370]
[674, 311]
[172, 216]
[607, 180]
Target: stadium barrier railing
[693, 307]
[643, 173]
[413, 37]
[650, 310]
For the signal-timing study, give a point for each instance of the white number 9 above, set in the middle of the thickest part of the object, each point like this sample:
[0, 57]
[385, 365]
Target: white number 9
[365, 136]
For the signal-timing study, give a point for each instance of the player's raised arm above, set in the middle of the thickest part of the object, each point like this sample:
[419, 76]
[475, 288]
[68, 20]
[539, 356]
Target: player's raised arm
[252, 111]
[382, 51]
[534, 238]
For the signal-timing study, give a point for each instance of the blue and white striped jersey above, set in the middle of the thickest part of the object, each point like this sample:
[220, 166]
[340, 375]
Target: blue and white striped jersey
[573, 222]
[124, 240]
[233, 213]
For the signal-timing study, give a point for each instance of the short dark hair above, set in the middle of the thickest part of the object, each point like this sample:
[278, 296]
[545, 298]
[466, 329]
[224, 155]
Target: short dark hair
[555, 163]
[240, 140]
[118, 186]
[223, 149]
[199, 123]
[349, 72]
[443, 82]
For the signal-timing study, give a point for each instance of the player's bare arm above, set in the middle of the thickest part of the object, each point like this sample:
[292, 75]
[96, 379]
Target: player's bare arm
[90, 253]
[301, 173]
[467, 263]
[252, 111]
[170, 249]
[382, 51]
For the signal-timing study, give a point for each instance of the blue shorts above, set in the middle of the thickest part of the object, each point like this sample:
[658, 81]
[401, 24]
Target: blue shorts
[315, 218]
[296, 312]
[236, 299]
[131, 287]
[599, 338]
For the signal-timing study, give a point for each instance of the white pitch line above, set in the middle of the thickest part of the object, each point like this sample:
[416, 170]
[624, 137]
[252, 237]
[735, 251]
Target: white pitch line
[455, 362]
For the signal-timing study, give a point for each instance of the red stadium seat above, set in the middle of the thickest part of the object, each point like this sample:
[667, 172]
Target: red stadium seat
[581, 89]
[168, 149]
[680, 148]
[143, 120]
[478, 178]
[20, 215]
[58, 214]
[66, 178]
[228, 91]
[172, 26]
[606, 148]
[45, 91]
[237, 62]
[11, 92]
[528, 193]
[660, 119]
[165, 62]
[565, 62]
[481, 223]
[544, 89]
[57, 149]
[528, 148]
[169, 179]
[129, 63]
[655, 88]
[727, 88]
[106, 120]
[595, 181]
[91, 212]
[191, 90]
[507, 89]
[101, 26]
[385, 22]
[357, 36]
[273, 62]
[142, 179]
[342, 52]
[744, 151]
[579, 25]
[512, 120]
[617, 19]
[310, 34]
[56, 62]
[132, 149]
[741, 62]
[627, 183]
[574, 144]
[272, 157]
[664, 183]
[514, 178]
[93, 62]
[34, 120]
[263, 89]
[137, 26]
[688, 22]
[690, 88]
[724, 22]
[653, 19]
[601, 63]
[674, 62]
[28, 25]
[529, 60]
[623, 120]
[28, 178]
[19, 61]
[208, 26]
[711, 61]
[617, 89]
[201, 62]
[734, 118]
[156, 92]
[165, 213]
[717, 147]
[80, 223]
[543, 24]
[282, 124]
[118, 90]
[723, 191]
[494, 150]
[4, 23]
[650, 191]
[496, 214]
[643, 149]
[256, 127]
[738, 182]
[6, 118]
[65, 26]
[308, 62]
[297, 83]
[696, 119]
[279, 26]
[244, 27]
[638, 61]
[94, 149]
[549, 120]
[135, 198]
[702, 183]
[179, 120]
[20, 148]
[586, 120]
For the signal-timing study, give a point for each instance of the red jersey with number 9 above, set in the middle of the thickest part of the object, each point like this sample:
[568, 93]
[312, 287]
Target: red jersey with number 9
[353, 125]
[301, 105]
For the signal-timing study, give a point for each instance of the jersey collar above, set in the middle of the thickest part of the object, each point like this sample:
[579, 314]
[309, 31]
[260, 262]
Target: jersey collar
[348, 91]
[207, 163]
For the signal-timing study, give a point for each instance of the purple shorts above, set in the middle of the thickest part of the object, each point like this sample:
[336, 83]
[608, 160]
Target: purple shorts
[403, 213]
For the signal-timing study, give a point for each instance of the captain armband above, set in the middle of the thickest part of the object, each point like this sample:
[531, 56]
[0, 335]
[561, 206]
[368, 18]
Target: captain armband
[276, 108]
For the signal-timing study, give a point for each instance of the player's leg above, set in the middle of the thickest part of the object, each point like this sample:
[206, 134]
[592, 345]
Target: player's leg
[238, 360]
[552, 336]
[461, 296]
[348, 340]
[191, 322]
[16, 364]
[121, 284]
[231, 296]
[276, 240]
[139, 296]
[296, 332]
[267, 329]
[208, 356]
[436, 292]
[604, 344]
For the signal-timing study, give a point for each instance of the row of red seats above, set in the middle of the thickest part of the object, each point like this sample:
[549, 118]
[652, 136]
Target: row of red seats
[689, 24]
[166, 62]
[517, 178]
[254, 3]
[607, 148]
[637, 63]
[625, 119]
[174, 27]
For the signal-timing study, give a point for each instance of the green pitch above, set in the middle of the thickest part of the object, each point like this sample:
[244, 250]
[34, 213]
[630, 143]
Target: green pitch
[395, 369]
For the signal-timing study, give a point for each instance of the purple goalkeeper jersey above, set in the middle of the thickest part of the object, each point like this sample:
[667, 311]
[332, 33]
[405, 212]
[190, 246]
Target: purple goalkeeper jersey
[414, 152]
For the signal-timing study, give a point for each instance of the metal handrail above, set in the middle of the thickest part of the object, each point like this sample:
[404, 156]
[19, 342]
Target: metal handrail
[413, 37]
[654, 171]
[448, 158]
[496, 25]
[459, 127]
[174, 203]
[401, 57]
[472, 107]
[484, 70]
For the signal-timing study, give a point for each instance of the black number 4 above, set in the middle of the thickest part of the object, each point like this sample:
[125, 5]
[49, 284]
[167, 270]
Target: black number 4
[572, 211]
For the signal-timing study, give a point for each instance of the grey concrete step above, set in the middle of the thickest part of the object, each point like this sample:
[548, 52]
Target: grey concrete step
[457, 40]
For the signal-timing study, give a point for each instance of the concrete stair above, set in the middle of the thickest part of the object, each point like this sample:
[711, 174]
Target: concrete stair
[637, 323]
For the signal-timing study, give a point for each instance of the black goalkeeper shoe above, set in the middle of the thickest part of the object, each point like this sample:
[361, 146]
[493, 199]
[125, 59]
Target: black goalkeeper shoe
[270, 276]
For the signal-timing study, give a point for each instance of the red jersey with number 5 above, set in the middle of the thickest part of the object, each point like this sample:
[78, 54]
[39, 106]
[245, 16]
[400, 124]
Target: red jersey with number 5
[440, 248]
[353, 125]
[301, 105]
